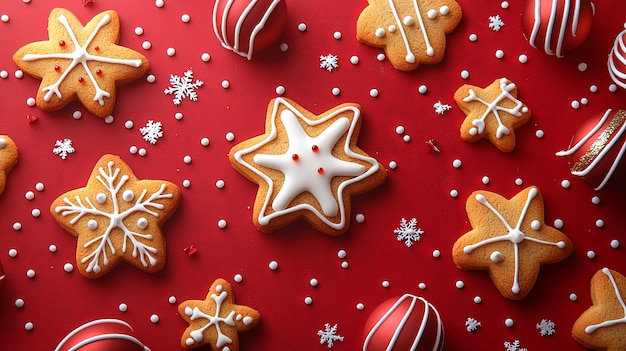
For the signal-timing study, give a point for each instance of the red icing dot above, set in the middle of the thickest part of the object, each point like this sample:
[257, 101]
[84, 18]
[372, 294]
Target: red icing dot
[97, 48]
[315, 148]
[295, 157]
[99, 72]
[61, 42]
[81, 80]
[320, 170]
[57, 68]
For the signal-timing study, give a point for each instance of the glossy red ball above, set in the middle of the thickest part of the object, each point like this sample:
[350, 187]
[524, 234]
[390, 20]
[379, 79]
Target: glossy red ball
[102, 335]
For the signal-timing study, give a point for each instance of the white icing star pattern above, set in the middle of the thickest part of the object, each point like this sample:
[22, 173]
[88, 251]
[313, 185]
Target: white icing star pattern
[592, 328]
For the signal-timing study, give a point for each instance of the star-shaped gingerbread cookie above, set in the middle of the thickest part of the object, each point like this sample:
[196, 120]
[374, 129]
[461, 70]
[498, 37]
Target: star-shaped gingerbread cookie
[8, 159]
[510, 240]
[603, 325]
[307, 166]
[216, 320]
[492, 113]
[117, 217]
[410, 31]
[81, 62]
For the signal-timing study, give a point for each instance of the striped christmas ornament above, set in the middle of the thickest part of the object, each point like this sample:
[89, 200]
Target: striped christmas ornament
[617, 60]
[102, 335]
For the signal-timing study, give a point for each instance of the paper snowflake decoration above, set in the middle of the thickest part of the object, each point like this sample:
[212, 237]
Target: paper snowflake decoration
[472, 324]
[408, 231]
[441, 108]
[546, 327]
[329, 62]
[182, 87]
[152, 131]
[514, 346]
[495, 23]
[63, 148]
[329, 335]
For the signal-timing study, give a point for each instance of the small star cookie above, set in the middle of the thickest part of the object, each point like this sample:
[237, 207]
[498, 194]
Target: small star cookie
[410, 31]
[8, 159]
[80, 62]
[603, 325]
[117, 217]
[510, 240]
[216, 320]
[491, 113]
[307, 166]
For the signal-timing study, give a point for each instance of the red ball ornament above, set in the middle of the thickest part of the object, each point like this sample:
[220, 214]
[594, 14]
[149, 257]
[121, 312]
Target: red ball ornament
[597, 149]
[405, 323]
[2, 275]
[245, 26]
[102, 335]
[557, 26]
[617, 60]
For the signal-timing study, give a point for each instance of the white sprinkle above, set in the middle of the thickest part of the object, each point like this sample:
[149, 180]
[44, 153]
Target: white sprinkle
[39, 186]
[230, 136]
[123, 307]
[273, 265]
[30, 101]
[582, 66]
[30, 273]
[129, 124]
[178, 116]
[473, 37]
[499, 54]
[522, 58]
[385, 284]
[308, 300]
[344, 264]
[436, 253]
[595, 200]
[154, 318]
[142, 152]
[342, 254]
[17, 226]
[454, 193]
[354, 60]
[138, 30]
[558, 223]
[185, 18]
[159, 3]
[219, 183]
[591, 255]
[150, 78]
[485, 180]
[238, 278]
[4, 74]
[535, 224]
[146, 45]
[170, 52]
[380, 57]
[19, 74]
[12, 253]
[599, 223]
[77, 115]
[565, 184]
[393, 164]
[422, 89]
[539, 133]
[406, 138]
[172, 299]
[109, 119]
[187, 159]
[504, 5]
[457, 163]
[19, 303]
[613, 88]
[519, 181]
[280, 90]
[68, 267]
[477, 299]
[313, 282]
[221, 223]
[52, 248]
[374, 93]
[133, 149]
[225, 84]
[205, 141]
[593, 88]
[360, 306]
[335, 91]
[29, 326]
[509, 322]
[206, 57]
[29, 195]
[284, 47]
[4, 18]
[573, 297]
[186, 183]
[337, 35]
[615, 243]
[302, 27]
[359, 218]
[459, 284]
[465, 74]
[400, 130]
[575, 104]
[421, 286]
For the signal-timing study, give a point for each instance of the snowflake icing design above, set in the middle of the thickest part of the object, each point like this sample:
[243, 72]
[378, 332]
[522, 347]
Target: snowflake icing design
[329, 62]
[441, 108]
[63, 148]
[152, 131]
[182, 87]
[408, 231]
[329, 335]
[472, 324]
[495, 23]
[514, 346]
[546, 327]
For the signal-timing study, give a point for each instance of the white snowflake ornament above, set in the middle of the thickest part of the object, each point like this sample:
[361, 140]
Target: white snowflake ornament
[152, 131]
[472, 324]
[514, 346]
[408, 231]
[63, 148]
[546, 327]
[495, 23]
[182, 87]
[329, 335]
[329, 62]
[441, 108]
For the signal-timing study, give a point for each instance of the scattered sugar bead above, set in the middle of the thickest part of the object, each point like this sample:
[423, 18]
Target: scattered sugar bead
[593, 88]
[12, 253]
[385, 284]
[225, 84]
[150, 78]
[302, 27]
[280, 90]
[19, 303]
[238, 278]
[142, 152]
[187, 159]
[591, 255]
[68, 267]
[171, 52]
[108, 119]
[221, 223]
[30, 273]
[465, 74]
[535, 224]
[444, 10]
[344, 265]
[129, 124]
[29, 195]
[17, 226]
[477, 299]
[457, 163]
[138, 30]
[421, 286]
[575, 104]
[522, 58]
[133, 149]
[614, 243]
[230, 136]
[519, 181]
[4, 74]
[206, 57]
[77, 115]
[496, 256]
[539, 133]
[219, 183]
[406, 138]
[123, 307]
[313, 282]
[52, 248]
[154, 318]
[380, 57]
[284, 47]
[360, 306]
[29, 326]
[393, 164]
[159, 3]
[459, 284]
[473, 37]
[599, 223]
[454, 193]
[308, 300]
[19, 74]
[558, 223]
[499, 54]
[509, 322]
[186, 183]
[582, 66]
[342, 254]
[335, 91]
[380, 32]
[436, 253]
[400, 130]
[40, 186]
[31, 101]
[595, 200]
[172, 300]
[273, 265]
[337, 35]
[360, 218]
[485, 180]
[504, 5]
[573, 297]
[185, 18]
[205, 141]
[354, 59]
[565, 184]
[584, 101]
[374, 93]
[146, 45]
[422, 89]
[613, 88]
[178, 116]
[4, 18]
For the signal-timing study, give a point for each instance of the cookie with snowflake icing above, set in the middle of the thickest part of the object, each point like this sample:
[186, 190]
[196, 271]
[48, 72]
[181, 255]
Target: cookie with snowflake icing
[80, 62]
[8, 158]
[603, 325]
[411, 32]
[307, 166]
[492, 113]
[510, 240]
[117, 217]
[217, 320]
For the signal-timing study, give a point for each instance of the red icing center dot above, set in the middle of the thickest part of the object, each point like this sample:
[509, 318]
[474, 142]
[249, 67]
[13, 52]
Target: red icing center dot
[97, 48]
[61, 42]
[81, 80]
[320, 170]
[57, 68]
[99, 72]
[315, 148]
[295, 157]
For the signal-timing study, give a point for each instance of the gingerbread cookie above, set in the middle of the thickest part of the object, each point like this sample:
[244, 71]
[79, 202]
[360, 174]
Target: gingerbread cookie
[216, 320]
[307, 166]
[117, 217]
[491, 113]
[410, 31]
[8, 159]
[80, 62]
[510, 240]
[603, 325]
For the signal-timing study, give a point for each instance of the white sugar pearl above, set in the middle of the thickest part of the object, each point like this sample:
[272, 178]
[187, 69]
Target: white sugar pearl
[496, 256]
[485, 180]
[68, 267]
[360, 218]
[109, 119]
[406, 138]
[159, 3]
[599, 223]
[150, 78]
[12, 253]
[128, 195]
[238, 278]
[519, 181]
[302, 27]
[154, 318]
[573, 297]
[591, 254]
[473, 37]
[308, 300]
[436, 253]
[225, 84]
[123, 307]
[335, 91]
[399, 130]
[477, 299]
[146, 45]
[614, 243]
[170, 52]
[220, 183]
[613, 88]
[31, 101]
[535, 224]
[422, 89]
[30, 273]
[206, 57]
[221, 223]
[465, 74]
[593, 88]
[29, 195]
[186, 183]
[273, 265]
[457, 163]
[4, 18]
[345, 264]
[19, 303]
[360, 306]
[171, 300]
[354, 60]
[4, 74]
[459, 284]
[337, 35]
[575, 104]
[133, 149]
[374, 93]
[35, 212]
[40, 186]
[230, 136]
[421, 286]
[522, 58]
[558, 223]
[142, 152]
[565, 184]
[17, 226]
[29, 326]
[142, 223]
[499, 54]
[284, 47]
[18, 74]
[380, 57]
[393, 164]
[129, 124]
[313, 282]
[539, 133]
[187, 159]
[454, 193]
[280, 90]
[185, 18]
[582, 66]
[342, 254]
[509, 322]
[138, 30]
[205, 141]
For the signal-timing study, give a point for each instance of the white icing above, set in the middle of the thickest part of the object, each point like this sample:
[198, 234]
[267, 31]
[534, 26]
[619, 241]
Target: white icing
[264, 218]
[514, 235]
[419, 333]
[380, 32]
[410, 56]
[80, 56]
[552, 24]
[78, 345]
[592, 328]
[618, 53]
[496, 256]
[92, 224]
[142, 223]
[128, 195]
[221, 29]
[494, 108]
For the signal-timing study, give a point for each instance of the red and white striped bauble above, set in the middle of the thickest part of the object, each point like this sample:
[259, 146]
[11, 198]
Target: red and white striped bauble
[557, 26]
[405, 323]
[617, 60]
[248, 26]
[102, 335]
